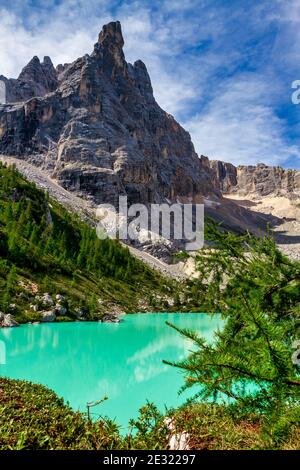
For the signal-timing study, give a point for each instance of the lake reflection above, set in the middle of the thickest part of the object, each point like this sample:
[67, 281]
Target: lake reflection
[84, 361]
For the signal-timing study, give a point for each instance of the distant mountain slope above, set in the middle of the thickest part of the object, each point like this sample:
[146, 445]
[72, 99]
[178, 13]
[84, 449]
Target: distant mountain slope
[260, 180]
[267, 191]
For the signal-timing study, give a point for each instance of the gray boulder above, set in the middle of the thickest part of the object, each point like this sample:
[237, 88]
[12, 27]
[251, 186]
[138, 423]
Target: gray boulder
[47, 300]
[109, 318]
[60, 310]
[80, 312]
[59, 298]
[48, 317]
[9, 321]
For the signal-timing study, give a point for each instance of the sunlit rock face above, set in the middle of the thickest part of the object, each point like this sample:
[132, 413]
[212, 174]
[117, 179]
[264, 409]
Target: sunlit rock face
[96, 127]
[261, 180]
[265, 180]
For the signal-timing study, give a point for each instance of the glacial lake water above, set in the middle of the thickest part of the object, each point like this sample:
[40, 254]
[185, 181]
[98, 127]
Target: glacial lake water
[84, 361]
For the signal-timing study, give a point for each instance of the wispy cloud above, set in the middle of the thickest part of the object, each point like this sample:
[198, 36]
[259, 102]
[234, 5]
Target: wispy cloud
[240, 126]
[161, 40]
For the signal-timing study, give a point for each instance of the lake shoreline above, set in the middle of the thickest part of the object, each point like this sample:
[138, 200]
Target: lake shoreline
[118, 318]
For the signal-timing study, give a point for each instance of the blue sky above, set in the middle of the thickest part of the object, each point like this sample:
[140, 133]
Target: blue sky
[224, 69]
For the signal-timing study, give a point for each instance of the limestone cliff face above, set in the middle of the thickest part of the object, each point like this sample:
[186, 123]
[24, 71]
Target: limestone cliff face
[260, 180]
[266, 180]
[95, 126]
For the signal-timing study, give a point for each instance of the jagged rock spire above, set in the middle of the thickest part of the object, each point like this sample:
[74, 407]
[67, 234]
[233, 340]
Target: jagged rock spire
[143, 78]
[47, 62]
[41, 75]
[101, 130]
[31, 70]
[109, 48]
[112, 33]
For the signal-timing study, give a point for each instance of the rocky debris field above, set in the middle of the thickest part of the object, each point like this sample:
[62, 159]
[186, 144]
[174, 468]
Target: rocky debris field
[286, 210]
[50, 308]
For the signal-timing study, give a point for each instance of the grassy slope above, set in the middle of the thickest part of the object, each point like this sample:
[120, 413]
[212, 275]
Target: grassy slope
[33, 417]
[55, 252]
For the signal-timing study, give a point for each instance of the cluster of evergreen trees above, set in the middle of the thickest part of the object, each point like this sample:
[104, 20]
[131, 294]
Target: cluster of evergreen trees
[39, 236]
[252, 364]
[37, 232]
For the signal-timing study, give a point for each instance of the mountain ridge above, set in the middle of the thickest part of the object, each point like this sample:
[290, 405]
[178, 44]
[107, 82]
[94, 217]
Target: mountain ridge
[261, 180]
[103, 123]
[96, 128]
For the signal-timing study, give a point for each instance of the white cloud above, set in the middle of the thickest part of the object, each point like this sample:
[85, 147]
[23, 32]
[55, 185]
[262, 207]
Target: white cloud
[65, 37]
[18, 45]
[239, 126]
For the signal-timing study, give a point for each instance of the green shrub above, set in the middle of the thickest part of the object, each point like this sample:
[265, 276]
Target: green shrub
[63, 319]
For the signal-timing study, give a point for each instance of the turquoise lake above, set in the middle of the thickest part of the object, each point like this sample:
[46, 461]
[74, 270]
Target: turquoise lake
[84, 361]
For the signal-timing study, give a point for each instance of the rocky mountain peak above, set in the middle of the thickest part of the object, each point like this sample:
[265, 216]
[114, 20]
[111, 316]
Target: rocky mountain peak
[109, 48]
[97, 128]
[111, 34]
[101, 132]
[47, 62]
[143, 78]
[50, 74]
[32, 70]
[36, 79]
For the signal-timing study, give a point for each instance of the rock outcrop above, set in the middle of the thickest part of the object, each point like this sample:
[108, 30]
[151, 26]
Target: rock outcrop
[265, 180]
[224, 175]
[9, 321]
[109, 318]
[48, 317]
